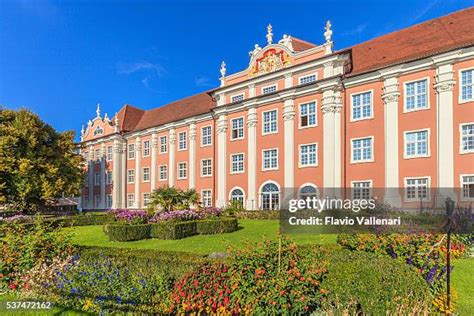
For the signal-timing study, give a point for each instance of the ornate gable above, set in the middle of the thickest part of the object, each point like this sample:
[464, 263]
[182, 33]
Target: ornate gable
[99, 126]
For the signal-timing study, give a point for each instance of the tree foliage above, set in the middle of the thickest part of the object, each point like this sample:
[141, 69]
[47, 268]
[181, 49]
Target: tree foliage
[171, 198]
[37, 164]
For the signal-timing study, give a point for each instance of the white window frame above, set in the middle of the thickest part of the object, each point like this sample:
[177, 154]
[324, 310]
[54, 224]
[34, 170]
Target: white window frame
[108, 201]
[300, 165]
[260, 194]
[417, 199]
[361, 181]
[185, 163]
[108, 178]
[185, 141]
[372, 159]
[352, 119]
[267, 87]
[97, 179]
[263, 122]
[110, 153]
[300, 78]
[315, 114]
[128, 175]
[237, 95]
[460, 71]
[146, 148]
[202, 136]
[202, 168]
[159, 173]
[144, 200]
[263, 159]
[165, 137]
[243, 194]
[461, 149]
[428, 90]
[97, 201]
[143, 174]
[210, 197]
[461, 176]
[232, 163]
[130, 153]
[232, 128]
[428, 149]
[129, 205]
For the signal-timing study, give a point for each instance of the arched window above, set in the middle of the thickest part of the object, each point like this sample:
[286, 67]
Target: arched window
[237, 195]
[270, 197]
[308, 191]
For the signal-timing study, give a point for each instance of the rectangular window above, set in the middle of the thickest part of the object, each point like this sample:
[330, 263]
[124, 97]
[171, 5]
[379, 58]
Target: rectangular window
[467, 85]
[269, 89]
[206, 137]
[182, 170]
[467, 138]
[362, 105]
[237, 163]
[146, 174]
[146, 199]
[308, 155]
[416, 189]
[108, 178]
[308, 114]
[270, 124]
[163, 172]
[109, 153]
[237, 98]
[416, 144]
[270, 159]
[206, 167]
[362, 150]
[86, 180]
[96, 179]
[416, 96]
[109, 200]
[361, 190]
[307, 79]
[131, 151]
[237, 128]
[86, 202]
[97, 154]
[130, 200]
[146, 148]
[206, 198]
[182, 141]
[163, 144]
[130, 176]
[467, 183]
[97, 201]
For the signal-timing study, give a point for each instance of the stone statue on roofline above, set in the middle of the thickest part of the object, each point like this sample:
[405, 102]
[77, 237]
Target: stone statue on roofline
[286, 41]
[255, 51]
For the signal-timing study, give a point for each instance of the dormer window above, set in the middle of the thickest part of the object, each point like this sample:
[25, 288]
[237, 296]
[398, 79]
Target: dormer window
[98, 131]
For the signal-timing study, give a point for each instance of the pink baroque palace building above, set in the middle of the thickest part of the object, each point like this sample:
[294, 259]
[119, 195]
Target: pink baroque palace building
[396, 111]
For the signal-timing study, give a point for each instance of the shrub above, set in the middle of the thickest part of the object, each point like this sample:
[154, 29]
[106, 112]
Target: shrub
[258, 215]
[269, 278]
[171, 198]
[27, 246]
[367, 284]
[128, 232]
[173, 230]
[216, 226]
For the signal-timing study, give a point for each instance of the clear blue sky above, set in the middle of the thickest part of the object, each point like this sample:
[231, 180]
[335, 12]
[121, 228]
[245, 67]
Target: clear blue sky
[60, 58]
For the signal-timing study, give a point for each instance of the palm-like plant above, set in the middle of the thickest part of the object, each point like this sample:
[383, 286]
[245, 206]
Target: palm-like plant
[171, 198]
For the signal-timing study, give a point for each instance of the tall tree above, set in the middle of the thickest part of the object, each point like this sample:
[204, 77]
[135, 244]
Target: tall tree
[37, 164]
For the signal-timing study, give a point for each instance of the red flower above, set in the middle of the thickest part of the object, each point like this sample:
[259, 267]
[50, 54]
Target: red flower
[12, 286]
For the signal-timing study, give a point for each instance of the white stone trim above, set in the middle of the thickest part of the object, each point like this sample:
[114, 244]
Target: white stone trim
[461, 150]
[316, 113]
[300, 166]
[177, 170]
[351, 101]
[428, 149]
[260, 193]
[269, 86]
[159, 172]
[263, 122]
[212, 135]
[277, 158]
[460, 100]
[307, 75]
[231, 128]
[231, 163]
[461, 183]
[201, 168]
[428, 94]
[308, 184]
[234, 188]
[242, 93]
[252, 120]
[372, 159]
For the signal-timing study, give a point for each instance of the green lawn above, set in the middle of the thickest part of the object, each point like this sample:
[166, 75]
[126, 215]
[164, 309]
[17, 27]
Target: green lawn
[463, 282]
[202, 244]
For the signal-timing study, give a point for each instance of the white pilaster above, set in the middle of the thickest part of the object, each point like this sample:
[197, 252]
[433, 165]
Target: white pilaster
[289, 146]
[221, 161]
[251, 91]
[172, 157]
[123, 200]
[138, 158]
[90, 205]
[445, 136]
[390, 97]
[252, 159]
[154, 145]
[331, 108]
[102, 176]
[192, 156]
[116, 185]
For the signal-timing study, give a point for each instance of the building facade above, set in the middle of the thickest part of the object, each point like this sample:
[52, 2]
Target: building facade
[393, 112]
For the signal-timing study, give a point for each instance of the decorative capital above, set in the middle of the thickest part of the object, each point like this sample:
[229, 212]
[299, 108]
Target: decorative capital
[269, 34]
[444, 86]
[288, 110]
[331, 104]
[154, 140]
[221, 124]
[390, 97]
[172, 137]
[192, 132]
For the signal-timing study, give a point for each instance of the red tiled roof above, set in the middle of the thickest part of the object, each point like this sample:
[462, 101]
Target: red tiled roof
[128, 117]
[188, 107]
[300, 45]
[425, 39]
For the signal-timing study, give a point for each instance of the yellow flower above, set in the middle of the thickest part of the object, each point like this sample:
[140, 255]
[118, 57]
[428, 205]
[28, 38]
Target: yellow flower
[87, 304]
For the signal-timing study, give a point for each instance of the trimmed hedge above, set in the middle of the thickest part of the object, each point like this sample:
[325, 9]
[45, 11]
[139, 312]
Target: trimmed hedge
[173, 230]
[257, 214]
[128, 232]
[216, 226]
